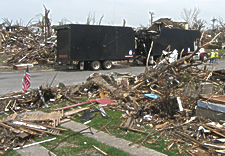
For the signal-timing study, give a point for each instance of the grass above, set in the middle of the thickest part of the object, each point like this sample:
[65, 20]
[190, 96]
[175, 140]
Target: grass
[115, 119]
[2, 60]
[75, 145]
[11, 153]
[82, 145]
[79, 145]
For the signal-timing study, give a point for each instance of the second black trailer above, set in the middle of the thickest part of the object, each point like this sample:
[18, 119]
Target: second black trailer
[179, 39]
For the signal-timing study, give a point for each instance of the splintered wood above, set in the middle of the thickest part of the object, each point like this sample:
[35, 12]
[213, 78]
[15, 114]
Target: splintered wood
[25, 46]
[53, 117]
[21, 128]
[160, 102]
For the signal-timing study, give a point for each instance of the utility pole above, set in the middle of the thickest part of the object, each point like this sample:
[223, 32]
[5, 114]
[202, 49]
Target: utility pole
[151, 17]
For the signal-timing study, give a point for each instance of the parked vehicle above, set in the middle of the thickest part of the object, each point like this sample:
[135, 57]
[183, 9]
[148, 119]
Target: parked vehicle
[166, 39]
[201, 55]
[94, 46]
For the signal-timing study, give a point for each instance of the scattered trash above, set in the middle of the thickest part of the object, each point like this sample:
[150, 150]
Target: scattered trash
[166, 98]
[153, 96]
[103, 113]
[87, 115]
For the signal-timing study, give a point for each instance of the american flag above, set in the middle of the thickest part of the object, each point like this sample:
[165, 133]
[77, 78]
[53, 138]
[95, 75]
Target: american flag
[26, 81]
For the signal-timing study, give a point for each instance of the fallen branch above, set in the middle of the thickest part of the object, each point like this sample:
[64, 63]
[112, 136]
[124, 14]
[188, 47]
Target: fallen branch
[99, 150]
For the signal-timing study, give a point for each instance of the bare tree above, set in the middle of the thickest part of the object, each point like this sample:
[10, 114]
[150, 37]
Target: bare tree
[221, 22]
[221, 28]
[36, 20]
[213, 23]
[100, 21]
[124, 22]
[199, 24]
[191, 16]
[7, 22]
[90, 18]
[143, 27]
[47, 23]
[64, 21]
[19, 22]
[93, 18]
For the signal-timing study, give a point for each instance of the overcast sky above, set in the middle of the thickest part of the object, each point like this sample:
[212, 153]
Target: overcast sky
[136, 12]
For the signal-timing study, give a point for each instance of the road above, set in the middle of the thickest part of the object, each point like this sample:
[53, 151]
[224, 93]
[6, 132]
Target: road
[12, 81]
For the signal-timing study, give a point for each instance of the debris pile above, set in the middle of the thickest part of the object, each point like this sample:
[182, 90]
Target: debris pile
[165, 101]
[163, 98]
[27, 45]
[35, 98]
[17, 129]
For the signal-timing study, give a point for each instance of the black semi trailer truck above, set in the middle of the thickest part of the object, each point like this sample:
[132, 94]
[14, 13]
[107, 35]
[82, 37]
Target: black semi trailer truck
[94, 46]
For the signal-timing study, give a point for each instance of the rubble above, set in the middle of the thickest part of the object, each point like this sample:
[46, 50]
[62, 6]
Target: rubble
[156, 100]
[18, 129]
[23, 45]
[163, 98]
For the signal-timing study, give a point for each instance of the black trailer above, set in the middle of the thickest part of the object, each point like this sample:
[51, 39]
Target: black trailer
[94, 45]
[175, 38]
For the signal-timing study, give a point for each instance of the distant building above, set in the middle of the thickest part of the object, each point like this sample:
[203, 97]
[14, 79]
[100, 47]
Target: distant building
[167, 23]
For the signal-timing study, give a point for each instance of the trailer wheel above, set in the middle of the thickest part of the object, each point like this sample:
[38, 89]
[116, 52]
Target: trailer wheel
[95, 65]
[107, 65]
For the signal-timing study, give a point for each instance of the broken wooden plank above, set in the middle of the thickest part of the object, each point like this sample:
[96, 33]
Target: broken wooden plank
[103, 101]
[10, 128]
[75, 111]
[213, 130]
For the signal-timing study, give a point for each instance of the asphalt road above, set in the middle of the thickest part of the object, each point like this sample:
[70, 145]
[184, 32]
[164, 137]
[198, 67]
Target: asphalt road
[12, 81]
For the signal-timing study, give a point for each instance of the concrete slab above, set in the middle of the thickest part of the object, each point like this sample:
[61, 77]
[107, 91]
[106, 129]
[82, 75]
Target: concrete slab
[113, 141]
[35, 150]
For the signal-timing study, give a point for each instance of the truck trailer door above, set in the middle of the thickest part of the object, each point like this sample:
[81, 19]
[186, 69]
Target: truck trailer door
[63, 46]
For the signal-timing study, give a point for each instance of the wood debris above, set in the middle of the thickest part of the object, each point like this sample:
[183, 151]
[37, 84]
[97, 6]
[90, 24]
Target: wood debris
[27, 45]
[163, 98]
[17, 131]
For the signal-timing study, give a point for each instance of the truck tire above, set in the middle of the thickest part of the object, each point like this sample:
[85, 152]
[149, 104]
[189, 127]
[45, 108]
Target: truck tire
[107, 65]
[95, 65]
